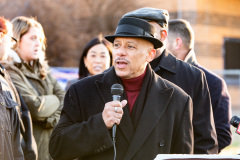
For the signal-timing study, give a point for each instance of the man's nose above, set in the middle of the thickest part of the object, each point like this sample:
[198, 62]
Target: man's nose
[121, 51]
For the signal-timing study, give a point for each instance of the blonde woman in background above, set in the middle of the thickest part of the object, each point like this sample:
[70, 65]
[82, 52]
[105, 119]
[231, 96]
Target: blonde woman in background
[39, 89]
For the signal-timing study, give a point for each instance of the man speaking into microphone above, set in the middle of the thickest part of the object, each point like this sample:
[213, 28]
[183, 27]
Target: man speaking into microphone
[153, 116]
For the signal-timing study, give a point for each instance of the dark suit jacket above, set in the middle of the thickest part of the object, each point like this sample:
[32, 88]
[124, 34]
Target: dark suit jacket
[220, 99]
[165, 125]
[193, 81]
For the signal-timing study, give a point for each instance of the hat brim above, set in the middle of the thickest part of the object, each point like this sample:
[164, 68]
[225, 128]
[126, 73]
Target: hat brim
[156, 43]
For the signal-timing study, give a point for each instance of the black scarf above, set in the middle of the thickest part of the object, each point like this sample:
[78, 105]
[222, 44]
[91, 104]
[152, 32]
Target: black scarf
[142, 97]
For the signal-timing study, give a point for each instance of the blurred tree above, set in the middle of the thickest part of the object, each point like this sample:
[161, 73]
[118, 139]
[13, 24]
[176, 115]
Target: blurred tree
[69, 25]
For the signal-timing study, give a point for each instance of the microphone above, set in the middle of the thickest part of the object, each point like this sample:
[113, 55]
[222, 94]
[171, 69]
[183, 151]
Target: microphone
[116, 91]
[235, 120]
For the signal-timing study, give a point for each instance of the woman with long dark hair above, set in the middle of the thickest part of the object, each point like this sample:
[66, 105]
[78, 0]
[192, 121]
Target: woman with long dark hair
[96, 58]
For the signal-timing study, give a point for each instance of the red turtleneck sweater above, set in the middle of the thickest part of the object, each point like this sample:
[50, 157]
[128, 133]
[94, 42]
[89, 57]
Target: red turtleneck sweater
[132, 88]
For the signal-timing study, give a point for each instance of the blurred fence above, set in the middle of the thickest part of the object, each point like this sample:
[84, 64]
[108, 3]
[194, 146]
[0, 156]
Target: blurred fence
[231, 76]
[232, 79]
[63, 74]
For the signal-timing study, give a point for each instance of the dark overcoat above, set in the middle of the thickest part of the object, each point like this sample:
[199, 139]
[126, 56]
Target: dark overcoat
[193, 81]
[165, 125]
[221, 102]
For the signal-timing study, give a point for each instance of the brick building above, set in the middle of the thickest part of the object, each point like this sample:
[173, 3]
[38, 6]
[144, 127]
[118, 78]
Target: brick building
[214, 23]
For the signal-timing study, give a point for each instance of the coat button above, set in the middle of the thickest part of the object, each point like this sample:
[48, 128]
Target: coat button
[161, 144]
[2, 103]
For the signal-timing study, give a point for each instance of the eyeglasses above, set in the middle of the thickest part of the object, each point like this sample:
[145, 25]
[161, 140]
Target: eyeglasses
[14, 40]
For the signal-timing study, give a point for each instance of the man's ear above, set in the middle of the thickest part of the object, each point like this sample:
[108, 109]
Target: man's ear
[178, 43]
[163, 35]
[151, 55]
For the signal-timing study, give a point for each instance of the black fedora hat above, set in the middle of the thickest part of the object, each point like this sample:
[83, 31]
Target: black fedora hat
[136, 28]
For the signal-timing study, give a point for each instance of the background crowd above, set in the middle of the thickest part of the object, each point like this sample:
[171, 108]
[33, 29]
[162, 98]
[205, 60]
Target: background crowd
[34, 98]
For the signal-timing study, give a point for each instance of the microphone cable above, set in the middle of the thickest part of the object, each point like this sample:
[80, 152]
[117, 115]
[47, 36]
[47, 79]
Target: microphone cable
[114, 128]
[114, 146]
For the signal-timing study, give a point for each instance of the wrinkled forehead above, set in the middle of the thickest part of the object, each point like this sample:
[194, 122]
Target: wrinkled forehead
[126, 39]
[133, 40]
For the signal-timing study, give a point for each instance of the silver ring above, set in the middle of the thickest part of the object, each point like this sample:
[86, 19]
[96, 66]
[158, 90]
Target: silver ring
[115, 108]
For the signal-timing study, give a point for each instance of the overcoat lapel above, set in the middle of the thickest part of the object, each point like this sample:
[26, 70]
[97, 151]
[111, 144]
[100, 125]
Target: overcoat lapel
[158, 98]
[126, 126]
[104, 89]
